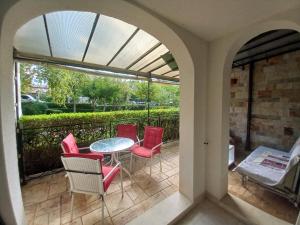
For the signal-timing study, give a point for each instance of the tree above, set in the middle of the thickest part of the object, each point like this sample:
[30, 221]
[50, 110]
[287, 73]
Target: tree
[103, 90]
[63, 84]
[141, 91]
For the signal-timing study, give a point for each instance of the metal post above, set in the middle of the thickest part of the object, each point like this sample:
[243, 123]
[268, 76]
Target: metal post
[250, 100]
[148, 99]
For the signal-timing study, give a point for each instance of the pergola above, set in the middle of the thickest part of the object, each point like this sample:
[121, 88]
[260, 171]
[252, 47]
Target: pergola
[95, 44]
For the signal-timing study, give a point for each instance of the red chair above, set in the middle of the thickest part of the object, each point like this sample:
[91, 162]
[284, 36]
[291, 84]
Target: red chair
[70, 149]
[128, 131]
[151, 145]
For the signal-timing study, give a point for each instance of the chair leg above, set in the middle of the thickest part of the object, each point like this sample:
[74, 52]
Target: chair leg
[121, 177]
[72, 205]
[150, 166]
[102, 209]
[160, 162]
[130, 167]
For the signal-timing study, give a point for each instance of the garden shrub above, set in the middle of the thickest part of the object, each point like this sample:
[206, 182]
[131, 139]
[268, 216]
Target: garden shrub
[34, 108]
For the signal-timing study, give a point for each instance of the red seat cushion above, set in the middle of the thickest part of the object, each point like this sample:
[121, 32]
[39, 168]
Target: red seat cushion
[105, 171]
[134, 146]
[143, 152]
[69, 144]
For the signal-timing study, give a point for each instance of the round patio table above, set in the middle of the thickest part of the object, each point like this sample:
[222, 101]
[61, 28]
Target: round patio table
[113, 146]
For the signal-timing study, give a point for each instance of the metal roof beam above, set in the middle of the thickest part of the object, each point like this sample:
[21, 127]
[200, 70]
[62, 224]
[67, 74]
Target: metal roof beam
[268, 41]
[265, 52]
[89, 66]
[144, 55]
[47, 33]
[153, 61]
[123, 46]
[91, 36]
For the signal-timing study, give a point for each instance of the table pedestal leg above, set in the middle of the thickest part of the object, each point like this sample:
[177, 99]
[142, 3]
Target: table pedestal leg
[116, 160]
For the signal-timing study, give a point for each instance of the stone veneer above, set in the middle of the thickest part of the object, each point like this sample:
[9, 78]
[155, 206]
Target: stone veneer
[276, 103]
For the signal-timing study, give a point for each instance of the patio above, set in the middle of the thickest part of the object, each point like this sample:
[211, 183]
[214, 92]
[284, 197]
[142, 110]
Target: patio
[47, 200]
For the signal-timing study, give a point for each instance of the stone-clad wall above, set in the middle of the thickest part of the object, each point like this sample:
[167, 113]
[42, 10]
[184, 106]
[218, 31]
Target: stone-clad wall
[276, 102]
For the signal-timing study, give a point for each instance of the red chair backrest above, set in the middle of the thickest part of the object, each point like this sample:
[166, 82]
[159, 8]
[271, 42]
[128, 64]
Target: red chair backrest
[152, 137]
[127, 131]
[69, 144]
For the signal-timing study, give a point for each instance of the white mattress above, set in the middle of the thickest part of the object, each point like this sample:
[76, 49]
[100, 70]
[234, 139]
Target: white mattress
[252, 166]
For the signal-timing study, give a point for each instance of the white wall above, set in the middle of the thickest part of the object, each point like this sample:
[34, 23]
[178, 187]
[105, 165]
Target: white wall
[185, 47]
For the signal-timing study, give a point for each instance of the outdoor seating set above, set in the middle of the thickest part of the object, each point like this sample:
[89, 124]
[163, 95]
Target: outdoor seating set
[89, 174]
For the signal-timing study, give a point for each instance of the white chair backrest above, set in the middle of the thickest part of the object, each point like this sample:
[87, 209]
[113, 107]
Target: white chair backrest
[295, 145]
[85, 175]
[295, 157]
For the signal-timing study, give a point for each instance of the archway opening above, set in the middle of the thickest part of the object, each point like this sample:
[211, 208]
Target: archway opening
[71, 47]
[263, 84]
[128, 13]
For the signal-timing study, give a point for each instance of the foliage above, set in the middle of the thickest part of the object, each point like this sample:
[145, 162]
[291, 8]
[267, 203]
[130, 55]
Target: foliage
[36, 121]
[104, 93]
[34, 108]
[103, 90]
[63, 84]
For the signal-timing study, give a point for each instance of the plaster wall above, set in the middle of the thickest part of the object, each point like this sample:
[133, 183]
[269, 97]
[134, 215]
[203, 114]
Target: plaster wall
[220, 56]
[186, 49]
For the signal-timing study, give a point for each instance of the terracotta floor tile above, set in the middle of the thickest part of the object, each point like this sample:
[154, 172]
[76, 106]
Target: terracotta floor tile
[129, 214]
[174, 179]
[54, 217]
[41, 220]
[107, 221]
[57, 188]
[48, 206]
[155, 187]
[35, 193]
[116, 204]
[170, 190]
[94, 217]
[135, 193]
[153, 200]
[74, 222]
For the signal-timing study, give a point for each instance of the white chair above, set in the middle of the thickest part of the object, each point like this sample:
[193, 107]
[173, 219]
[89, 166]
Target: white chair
[275, 170]
[88, 176]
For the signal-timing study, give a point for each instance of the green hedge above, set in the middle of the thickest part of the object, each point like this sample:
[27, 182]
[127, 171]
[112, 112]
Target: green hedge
[36, 121]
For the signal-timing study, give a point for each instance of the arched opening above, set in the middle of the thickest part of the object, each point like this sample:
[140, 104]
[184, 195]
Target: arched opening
[134, 60]
[264, 70]
[27, 10]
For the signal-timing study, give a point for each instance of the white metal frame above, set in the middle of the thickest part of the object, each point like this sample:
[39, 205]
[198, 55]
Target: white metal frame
[85, 176]
[152, 150]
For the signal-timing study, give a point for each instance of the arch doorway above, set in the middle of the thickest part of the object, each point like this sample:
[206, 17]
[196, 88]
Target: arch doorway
[263, 82]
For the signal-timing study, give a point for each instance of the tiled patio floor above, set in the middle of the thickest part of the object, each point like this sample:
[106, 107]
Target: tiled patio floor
[47, 200]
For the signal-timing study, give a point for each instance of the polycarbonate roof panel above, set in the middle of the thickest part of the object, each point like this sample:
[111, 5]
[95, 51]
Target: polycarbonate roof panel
[156, 53]
[137, 46]
[172, 73]
[32, 37]
[162, 70]
[109, 36]
[153, 65]
[109, 42]
[69, 32]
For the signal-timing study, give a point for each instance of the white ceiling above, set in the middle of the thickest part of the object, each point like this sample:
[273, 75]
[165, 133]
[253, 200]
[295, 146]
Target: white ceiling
[211, 19]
